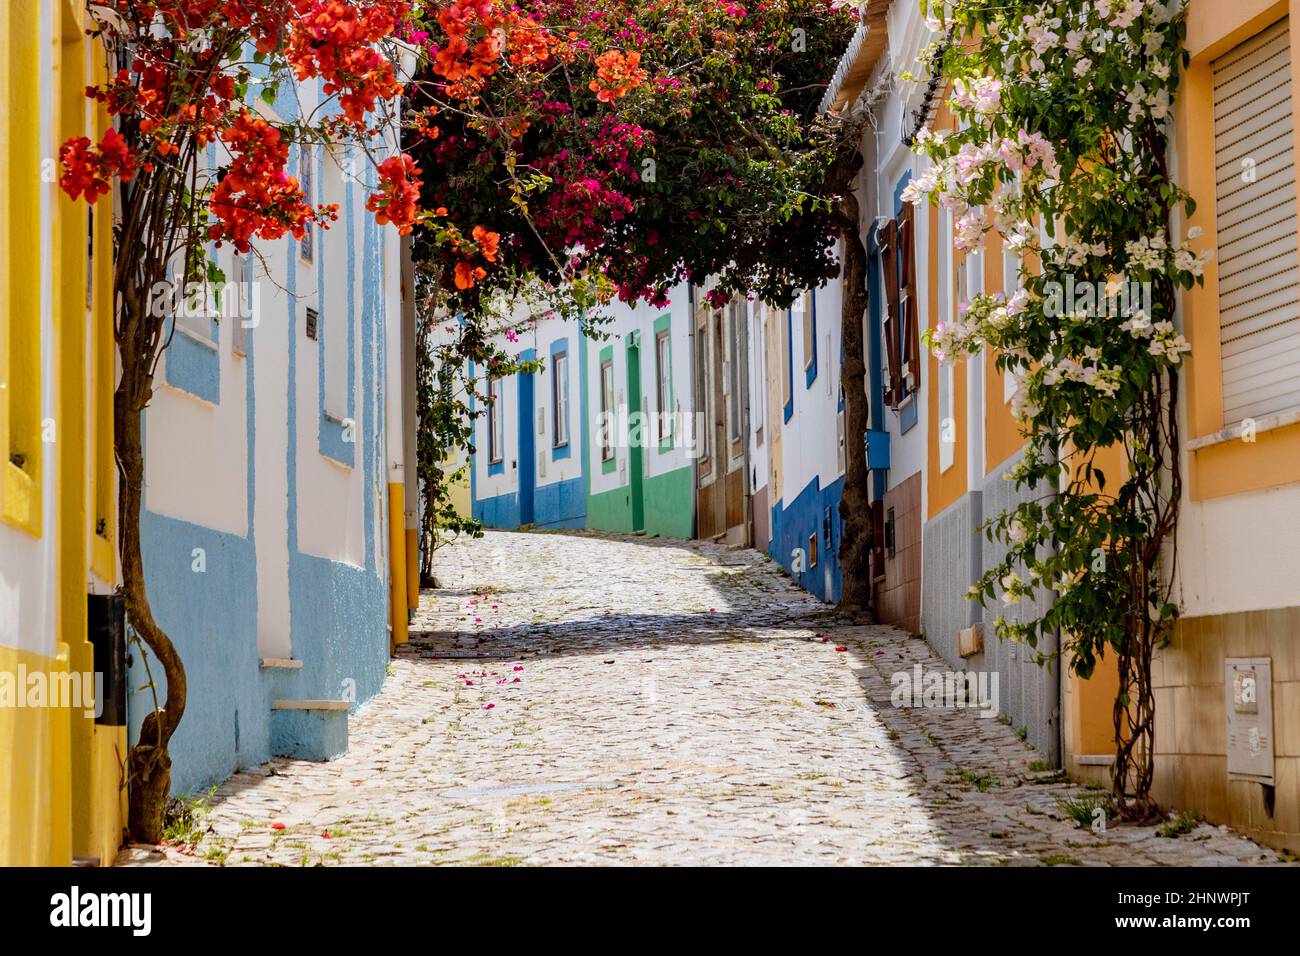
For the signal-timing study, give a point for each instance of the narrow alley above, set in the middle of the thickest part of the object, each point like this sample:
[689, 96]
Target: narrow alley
[583, 699]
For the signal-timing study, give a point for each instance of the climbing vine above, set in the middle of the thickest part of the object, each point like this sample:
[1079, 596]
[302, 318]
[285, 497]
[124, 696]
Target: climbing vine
[1061, 152]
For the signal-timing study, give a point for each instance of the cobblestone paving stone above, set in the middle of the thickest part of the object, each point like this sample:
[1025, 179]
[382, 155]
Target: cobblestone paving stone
[583, 699]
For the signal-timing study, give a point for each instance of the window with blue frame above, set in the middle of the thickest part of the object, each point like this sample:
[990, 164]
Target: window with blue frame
[496, 437]
[305, 179]
[560, 399]
[806, 305]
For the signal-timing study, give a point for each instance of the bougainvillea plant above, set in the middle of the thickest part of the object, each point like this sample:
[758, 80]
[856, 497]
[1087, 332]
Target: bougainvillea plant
[189, 80]
[1062, 154]
[636, 145]
[640, 145]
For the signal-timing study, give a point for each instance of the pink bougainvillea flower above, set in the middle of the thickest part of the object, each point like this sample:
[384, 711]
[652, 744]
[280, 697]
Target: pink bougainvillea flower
[488, 706]
[841, 648]
[519, 667]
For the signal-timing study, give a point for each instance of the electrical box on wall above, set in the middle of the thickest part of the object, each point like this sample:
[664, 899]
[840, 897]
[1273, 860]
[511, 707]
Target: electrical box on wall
[970, 641]
[1248, 690]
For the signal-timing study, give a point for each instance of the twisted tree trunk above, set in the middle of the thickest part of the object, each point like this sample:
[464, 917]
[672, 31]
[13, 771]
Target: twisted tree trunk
[855, 504]
[148, 761]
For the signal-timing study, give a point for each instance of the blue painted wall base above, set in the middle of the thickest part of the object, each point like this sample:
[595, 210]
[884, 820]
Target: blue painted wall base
[815, 510]
[309, 734]
[560, 504]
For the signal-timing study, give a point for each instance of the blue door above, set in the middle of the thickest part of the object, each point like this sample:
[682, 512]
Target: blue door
[527, 447]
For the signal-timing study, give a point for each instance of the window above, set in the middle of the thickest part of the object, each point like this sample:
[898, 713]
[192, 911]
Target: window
[760, 373]
[804, 311]
[1255, 217]
[313, 324]
[703, 427]
[20, 399]
[195, 307]
[664, 384]
[733, 371]
[947, 381]
[242, 308]
[840, 463]
[607, 410]
[305, 180]
[787, 380]
[812, 550]
[332, 295]
[902, 347]
[496, 438]
[560, 399]
[1010, 285]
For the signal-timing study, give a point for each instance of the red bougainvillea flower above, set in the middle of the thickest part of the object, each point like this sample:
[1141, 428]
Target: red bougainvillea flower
[257, 197]
[841, 648]
[277, 826]
[398, 199]
[88, 169]
[335, 40]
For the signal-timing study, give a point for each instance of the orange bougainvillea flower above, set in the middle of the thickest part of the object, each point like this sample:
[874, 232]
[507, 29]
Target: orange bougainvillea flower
[617, 74]
[488, 243]
[466, 274]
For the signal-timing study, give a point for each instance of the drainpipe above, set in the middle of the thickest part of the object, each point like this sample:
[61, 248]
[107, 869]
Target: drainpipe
[394, 312]
[399, 329]
[410, 422]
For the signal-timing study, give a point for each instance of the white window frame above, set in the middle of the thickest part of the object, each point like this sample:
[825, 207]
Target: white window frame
[663, 382]
[606, 410]
[496, 429]
[560, 399]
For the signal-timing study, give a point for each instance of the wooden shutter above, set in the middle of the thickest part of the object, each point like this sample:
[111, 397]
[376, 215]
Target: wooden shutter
[889, 265]
[910, 331]
[1259, 268]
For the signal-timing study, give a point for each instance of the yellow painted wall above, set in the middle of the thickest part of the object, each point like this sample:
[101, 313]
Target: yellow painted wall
[61, 778]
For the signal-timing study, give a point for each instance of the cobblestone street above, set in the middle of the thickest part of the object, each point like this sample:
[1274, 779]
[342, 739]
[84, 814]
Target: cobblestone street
[574, 699]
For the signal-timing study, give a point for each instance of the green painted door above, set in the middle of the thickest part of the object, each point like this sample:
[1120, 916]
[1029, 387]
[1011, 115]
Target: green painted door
[636, 433]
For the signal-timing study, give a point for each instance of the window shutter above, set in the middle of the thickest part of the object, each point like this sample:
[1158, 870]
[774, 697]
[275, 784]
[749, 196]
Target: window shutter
[911, 332]
[889, 265]
[1259, 271]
